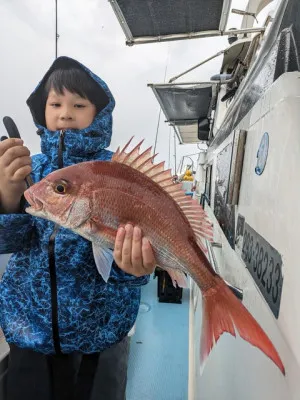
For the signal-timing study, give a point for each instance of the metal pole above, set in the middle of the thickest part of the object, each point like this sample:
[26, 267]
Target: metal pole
[169, 147]
[163, 85]
[191, 35]
[198, 65]
[220, 82]
[158, 122]
[175, 153]
[180, 166]
[191, 161]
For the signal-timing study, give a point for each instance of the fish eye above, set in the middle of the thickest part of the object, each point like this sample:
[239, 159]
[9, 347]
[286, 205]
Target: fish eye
[60, 187]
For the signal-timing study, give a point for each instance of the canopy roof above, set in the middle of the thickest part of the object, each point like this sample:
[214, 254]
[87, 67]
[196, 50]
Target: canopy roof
[186, 108]
[145, 21]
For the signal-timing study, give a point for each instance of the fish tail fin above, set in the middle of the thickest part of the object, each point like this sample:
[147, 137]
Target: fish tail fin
[223, 312]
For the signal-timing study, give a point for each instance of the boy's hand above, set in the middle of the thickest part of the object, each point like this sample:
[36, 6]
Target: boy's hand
[133, 254]
[15, 165]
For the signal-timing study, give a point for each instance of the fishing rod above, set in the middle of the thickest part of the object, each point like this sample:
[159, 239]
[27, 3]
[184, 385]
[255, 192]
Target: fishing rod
[56, 29]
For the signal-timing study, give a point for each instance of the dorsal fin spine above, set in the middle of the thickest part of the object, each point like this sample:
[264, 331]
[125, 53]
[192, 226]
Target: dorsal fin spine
[163, 173]
[134, 163]
[150, 159]
[136, 148]
[148, 172]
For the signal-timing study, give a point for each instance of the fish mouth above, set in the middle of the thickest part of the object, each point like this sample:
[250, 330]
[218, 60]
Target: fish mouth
[35, 204]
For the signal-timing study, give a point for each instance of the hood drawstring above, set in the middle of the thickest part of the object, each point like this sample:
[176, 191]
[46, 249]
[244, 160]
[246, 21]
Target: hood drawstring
[52, 268]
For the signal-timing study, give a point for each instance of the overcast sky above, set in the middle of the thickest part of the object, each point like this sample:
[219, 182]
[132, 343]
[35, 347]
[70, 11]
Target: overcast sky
[90, 32]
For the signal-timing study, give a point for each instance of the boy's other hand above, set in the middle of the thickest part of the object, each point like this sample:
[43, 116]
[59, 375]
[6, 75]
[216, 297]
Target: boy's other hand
[133, 253]
[15, 165]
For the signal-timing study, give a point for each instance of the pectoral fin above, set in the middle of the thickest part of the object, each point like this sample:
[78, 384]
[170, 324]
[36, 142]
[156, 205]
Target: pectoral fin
[103, 258]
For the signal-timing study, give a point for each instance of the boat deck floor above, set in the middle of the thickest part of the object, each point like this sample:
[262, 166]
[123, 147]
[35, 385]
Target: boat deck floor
[158, 360]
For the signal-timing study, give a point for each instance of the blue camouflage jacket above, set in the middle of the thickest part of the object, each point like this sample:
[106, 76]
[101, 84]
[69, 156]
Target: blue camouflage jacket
[63, 305]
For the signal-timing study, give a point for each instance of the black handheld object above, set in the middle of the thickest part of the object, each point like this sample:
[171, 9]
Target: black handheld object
[11, 128]
[13, 133]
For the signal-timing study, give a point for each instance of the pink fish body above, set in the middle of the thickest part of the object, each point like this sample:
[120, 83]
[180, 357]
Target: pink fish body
[94, 198]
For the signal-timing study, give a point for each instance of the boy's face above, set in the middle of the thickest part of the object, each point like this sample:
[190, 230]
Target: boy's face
[68, 111]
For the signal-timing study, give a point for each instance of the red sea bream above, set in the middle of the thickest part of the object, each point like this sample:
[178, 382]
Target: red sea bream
[94, 198]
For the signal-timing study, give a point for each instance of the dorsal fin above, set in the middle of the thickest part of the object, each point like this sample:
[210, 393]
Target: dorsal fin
[132, 156]
[193, 211]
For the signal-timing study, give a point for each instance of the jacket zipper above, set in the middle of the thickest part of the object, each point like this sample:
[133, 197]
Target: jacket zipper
[52, 267]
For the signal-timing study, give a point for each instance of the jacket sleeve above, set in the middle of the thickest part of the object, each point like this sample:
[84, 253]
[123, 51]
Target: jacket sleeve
[129, 280]
[15, 231]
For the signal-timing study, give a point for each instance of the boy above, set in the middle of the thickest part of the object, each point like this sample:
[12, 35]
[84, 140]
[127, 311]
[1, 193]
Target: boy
[58, 315]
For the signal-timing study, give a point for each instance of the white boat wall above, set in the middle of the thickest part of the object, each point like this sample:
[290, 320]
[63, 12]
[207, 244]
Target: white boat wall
[251, 192]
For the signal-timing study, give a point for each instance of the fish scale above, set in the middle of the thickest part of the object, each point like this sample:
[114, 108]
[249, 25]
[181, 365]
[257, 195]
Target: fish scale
[147, 217]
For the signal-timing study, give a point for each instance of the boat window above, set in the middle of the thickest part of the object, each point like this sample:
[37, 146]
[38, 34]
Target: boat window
[208, 183]
[236, 167]
[223, 211]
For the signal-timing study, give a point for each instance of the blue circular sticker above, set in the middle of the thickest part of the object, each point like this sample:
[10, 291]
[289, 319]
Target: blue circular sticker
[262, 154]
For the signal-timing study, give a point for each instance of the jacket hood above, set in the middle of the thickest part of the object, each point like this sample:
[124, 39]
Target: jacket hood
[97, 136]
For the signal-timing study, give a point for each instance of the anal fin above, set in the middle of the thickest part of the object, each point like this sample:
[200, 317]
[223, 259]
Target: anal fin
[178, 277]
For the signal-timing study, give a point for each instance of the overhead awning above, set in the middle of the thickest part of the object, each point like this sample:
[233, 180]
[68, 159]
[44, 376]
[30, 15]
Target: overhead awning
[145, 21]
[187, 109]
